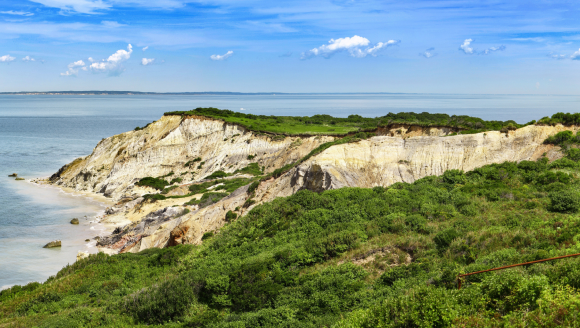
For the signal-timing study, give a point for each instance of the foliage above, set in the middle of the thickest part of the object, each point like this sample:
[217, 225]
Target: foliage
[155, 183]
[252, 168]
[328, 125]
[351, 257]
[562, 118]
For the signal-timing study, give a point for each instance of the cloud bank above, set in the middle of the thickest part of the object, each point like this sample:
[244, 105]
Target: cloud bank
[73, 68]
[357, 46]
[113, 64]
[222, 57]
[18, 13]
[6, 58]
[79, 6]
[468, 49]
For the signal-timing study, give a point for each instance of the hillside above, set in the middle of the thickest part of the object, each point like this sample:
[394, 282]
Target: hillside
[368, 230]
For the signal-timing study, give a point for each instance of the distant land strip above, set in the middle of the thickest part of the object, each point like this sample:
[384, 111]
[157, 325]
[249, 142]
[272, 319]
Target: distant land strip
[114, 93]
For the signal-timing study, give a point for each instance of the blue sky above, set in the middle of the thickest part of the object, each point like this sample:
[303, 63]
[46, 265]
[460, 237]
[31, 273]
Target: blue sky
[475, 46]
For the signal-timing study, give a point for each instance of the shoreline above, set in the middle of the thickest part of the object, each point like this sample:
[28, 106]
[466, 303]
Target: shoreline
[99, 218]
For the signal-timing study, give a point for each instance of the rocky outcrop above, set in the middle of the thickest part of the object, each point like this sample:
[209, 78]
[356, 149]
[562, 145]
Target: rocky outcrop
[74, 221]
[52, 244]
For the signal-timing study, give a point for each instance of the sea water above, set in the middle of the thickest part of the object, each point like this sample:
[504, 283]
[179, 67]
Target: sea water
[39, 134]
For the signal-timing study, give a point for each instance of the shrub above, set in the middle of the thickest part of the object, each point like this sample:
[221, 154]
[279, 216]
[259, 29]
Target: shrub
[217, 175]
[565, 201]
[230, 216]
[573, 154]
[207, 235]
[444, 238]
[253, 186]
[155, 183]
[559, 138]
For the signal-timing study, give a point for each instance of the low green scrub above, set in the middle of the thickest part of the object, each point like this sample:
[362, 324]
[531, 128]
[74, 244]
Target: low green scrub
[190, 163]
[156, 183]
[252, 168]
[207, 199]
[561, 118]
[351, 257]
[328, 125]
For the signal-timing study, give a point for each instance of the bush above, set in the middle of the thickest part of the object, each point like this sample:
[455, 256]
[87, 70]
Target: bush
[573, 154]
[444, 238]
[565, 201]
[253, 186]
[230, 216]
[217, 175]
[155, 183]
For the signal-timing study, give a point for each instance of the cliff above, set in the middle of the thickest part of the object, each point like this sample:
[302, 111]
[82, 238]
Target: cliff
[397, 154]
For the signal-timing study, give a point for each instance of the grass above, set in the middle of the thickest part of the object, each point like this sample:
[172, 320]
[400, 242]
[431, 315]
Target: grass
[328, 125]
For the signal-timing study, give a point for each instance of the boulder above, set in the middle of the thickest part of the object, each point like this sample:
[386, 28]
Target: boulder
[87, 240]
[74, 221]
[13, 175]
[81, 255]
[54, 243]
[19, 179]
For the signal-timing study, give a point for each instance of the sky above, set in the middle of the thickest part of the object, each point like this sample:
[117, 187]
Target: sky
[412, 46]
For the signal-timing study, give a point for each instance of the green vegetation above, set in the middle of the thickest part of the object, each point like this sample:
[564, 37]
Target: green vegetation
[207, 199]
[252, 168]
[328, 125]
[217, 175]
[352, 257]
[190, 163]
[562, 118]
[155, 183]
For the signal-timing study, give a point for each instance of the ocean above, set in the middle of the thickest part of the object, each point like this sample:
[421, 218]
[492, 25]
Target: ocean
[40, 133]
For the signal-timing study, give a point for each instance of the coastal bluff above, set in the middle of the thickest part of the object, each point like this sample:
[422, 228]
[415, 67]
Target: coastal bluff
[191, 148]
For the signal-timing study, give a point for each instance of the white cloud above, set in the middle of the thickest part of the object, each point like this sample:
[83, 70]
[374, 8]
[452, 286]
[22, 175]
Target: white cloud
[145, 48]
[79, 6]
[222, 57]
[428, 53]
[6, 58]
[112, 24]
[576, 55]
[147, 61]
[73, 68]
[467, 49]
[556, 56]
[28, 58]
[354, 45]
[19, 13]
[91, 59]
[113, 64]
[492, 49]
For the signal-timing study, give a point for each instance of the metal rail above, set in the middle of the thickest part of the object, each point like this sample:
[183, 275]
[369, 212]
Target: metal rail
[510, 266]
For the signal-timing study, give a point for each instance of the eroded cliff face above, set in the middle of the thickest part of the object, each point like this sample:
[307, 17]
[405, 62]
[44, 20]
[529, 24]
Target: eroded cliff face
[397, 154]
[383, 160]
[165, 146]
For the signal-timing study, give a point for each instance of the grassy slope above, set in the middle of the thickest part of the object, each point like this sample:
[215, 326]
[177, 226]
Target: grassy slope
[328, 125]
[288, 262]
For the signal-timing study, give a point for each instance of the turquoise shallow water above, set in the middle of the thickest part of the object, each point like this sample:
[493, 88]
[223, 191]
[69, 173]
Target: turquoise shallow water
[39, 134]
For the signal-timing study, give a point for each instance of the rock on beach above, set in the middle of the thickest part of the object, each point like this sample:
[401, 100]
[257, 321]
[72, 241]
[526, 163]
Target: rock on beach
[54, 243]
